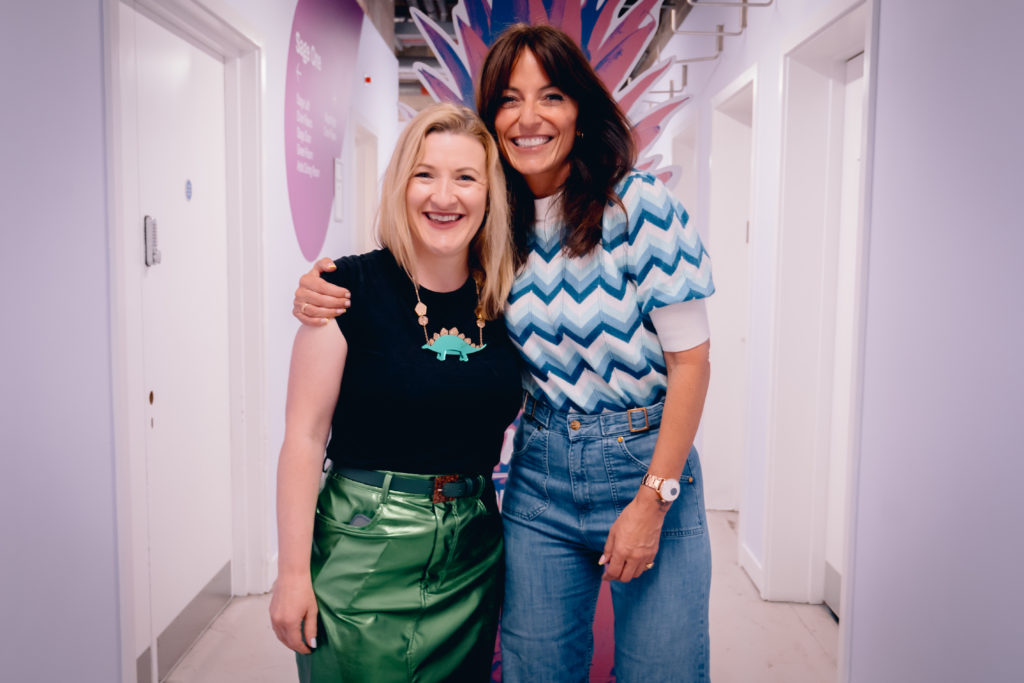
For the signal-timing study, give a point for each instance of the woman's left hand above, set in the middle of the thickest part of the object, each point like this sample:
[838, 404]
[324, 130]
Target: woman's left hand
[633, 539]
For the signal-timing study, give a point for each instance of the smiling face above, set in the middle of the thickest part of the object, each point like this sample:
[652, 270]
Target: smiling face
[446, 197]
[536, 126]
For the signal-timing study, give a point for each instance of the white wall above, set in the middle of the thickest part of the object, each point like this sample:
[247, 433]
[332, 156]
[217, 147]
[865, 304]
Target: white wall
[771, 31]
[58, 560]
[935, 568]
[374, 106]
[937, 559]
[58, 554]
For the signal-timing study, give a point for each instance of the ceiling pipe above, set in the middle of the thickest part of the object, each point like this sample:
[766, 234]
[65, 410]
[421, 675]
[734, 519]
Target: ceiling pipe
[743, 27]
[723, 3]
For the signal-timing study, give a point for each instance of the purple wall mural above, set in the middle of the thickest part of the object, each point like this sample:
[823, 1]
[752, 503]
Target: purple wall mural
[318, 82]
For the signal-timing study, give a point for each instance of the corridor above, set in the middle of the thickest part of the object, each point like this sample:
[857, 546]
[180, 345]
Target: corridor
[751, 639]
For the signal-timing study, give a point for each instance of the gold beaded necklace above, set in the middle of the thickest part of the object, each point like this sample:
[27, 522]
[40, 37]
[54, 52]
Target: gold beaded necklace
[449, 342]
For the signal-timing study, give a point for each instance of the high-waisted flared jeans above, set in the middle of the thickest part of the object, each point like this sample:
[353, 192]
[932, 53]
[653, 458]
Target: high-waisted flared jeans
[571, 475]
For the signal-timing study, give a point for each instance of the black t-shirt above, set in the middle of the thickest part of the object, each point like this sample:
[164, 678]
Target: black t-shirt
[402, 409]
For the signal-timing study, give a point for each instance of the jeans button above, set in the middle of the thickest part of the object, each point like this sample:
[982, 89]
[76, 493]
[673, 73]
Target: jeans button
[575, 424]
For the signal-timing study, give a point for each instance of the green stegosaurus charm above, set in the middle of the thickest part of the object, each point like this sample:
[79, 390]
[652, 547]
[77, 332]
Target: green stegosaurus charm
[452, 342]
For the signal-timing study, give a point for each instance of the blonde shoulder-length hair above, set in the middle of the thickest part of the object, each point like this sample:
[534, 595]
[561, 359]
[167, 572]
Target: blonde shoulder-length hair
[490, 251]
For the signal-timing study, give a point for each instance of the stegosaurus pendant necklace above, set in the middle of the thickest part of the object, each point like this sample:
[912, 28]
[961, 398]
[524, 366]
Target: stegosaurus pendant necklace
[448, 341]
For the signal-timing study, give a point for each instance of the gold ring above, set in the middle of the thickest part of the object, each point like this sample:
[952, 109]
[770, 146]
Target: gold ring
[648, 565]
[303, 309]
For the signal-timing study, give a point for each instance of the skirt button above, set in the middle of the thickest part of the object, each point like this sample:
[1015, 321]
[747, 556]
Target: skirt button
[575, 424]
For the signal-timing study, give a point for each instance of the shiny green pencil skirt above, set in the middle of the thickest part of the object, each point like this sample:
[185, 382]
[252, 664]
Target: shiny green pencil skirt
[413, 595]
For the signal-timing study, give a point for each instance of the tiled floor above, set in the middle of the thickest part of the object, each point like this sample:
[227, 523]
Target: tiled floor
[752, 641]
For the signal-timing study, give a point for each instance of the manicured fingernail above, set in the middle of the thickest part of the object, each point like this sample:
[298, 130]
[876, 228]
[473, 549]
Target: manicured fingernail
[324, 321]
[312, 643]
[339, 311]
[332, 266]
[603, 559]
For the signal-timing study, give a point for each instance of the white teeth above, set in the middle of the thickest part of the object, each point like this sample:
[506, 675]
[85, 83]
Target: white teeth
[443, 217]
[531, 142]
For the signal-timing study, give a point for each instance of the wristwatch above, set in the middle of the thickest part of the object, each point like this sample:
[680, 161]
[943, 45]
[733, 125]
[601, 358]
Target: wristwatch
[668, 489]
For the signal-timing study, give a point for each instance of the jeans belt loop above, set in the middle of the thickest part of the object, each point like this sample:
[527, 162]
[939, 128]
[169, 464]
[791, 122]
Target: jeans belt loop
[532, 402]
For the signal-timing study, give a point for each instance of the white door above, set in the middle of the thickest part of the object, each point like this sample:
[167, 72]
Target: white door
[724, 421]
[366, 189]
[182, 498]
[684, 155]
[842, 380]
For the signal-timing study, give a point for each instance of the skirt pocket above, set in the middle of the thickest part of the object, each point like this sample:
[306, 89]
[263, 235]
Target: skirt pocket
[349, 507]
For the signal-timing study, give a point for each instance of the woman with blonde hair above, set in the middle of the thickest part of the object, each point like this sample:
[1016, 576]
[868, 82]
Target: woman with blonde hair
[394, 571]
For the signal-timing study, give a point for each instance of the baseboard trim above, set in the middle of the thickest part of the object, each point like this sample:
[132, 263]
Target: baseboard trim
[752, 567]
[143, 670]
[833, 588]
[182, 633]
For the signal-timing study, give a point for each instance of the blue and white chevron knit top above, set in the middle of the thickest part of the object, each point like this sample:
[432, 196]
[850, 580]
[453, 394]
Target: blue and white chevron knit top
[583, 325]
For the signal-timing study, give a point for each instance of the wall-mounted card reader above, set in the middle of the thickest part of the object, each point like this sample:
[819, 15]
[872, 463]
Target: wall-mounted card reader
[149, 229]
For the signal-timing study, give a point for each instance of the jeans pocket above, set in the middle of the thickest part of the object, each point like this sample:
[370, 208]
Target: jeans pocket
[526, 493]
[628, 461]
[526, 431]
[636, 450]
[686, 516]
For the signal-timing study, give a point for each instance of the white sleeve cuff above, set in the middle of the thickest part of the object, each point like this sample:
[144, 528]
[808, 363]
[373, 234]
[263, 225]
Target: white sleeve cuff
[681, 326]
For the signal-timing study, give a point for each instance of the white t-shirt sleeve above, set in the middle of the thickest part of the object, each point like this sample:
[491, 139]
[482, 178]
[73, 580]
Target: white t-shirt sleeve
[682, 325]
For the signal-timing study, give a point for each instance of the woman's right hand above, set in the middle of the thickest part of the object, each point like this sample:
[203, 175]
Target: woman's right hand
[316, 299]
[293, 613]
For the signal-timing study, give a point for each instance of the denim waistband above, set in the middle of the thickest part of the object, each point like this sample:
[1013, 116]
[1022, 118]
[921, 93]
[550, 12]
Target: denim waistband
[615, 423]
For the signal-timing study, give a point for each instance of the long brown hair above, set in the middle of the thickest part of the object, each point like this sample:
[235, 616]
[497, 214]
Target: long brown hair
[604, 151]
[490, 251]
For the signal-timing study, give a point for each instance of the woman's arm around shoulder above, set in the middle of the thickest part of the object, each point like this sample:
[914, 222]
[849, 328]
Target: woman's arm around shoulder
[317, 300]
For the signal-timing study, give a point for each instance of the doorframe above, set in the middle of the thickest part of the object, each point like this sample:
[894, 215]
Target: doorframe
[794, 531]
[785, 465]
[749, 77]
[215, 27]
[846, 626]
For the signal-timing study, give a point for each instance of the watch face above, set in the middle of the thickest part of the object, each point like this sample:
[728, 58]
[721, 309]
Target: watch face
[669, 489]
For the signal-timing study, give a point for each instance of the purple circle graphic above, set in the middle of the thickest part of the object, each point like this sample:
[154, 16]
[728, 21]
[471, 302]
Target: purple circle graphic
[318, 86]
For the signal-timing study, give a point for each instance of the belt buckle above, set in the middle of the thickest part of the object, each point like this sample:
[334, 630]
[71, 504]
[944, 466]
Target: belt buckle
[629, 417]
[439, 483]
